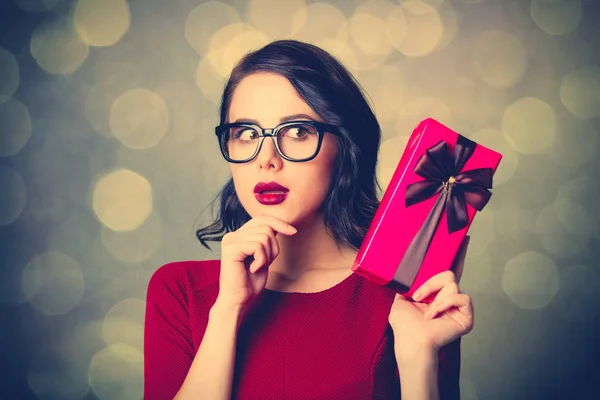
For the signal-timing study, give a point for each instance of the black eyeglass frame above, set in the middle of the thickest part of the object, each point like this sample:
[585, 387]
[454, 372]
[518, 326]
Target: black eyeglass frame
[320, 127]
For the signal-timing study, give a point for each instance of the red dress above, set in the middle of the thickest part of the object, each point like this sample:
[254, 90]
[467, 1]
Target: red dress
[331, 345]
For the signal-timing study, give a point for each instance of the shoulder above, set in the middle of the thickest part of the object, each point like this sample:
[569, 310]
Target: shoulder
[184, 277]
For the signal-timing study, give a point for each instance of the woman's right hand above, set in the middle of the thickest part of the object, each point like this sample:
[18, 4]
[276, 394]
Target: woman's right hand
[246, 255]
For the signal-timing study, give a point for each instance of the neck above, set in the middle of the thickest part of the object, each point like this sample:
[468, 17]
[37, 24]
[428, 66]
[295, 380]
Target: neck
[311, 248]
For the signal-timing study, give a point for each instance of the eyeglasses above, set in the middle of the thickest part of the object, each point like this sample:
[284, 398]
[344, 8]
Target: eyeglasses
[297, 141]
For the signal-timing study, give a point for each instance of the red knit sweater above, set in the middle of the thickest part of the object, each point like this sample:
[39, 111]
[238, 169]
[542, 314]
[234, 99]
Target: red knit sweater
[332, 345]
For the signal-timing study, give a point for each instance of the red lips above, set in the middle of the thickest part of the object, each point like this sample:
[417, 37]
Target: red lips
[270, 193]
[269, 186]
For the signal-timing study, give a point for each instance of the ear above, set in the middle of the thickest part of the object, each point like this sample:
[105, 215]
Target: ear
[459, 259]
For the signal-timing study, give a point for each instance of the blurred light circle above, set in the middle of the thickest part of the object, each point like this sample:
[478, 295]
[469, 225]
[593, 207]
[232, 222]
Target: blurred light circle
[342, 52]
[579, 297]
[499, 58]
[450, 20]
[556, 17]
[370, 34]
[206, 19]
[117, 372]
[101, 23]
[134, 246]
[51, 377]
[124, 323]
[15, 127]
[57, 48]
[494, 140]
[433, 3]
[139, 118]
[585, 192]
[387, 87]
[230, 43]
[9, 75]
[529, 125]
[397, 25]
[187, 110]
[14, 195]
[477, 271]
[482, 232]
[563, 228]
[319, 21]
[425, 29]
[275, 19]
[413, 112]
[122, 200]
[368, 27]
[390, 152]
[53, 283]
[530, 280]
[580, 92]
[209, 81]
[241, 45]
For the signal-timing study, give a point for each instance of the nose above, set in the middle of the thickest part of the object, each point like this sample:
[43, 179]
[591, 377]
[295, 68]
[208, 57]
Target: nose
[267, 155]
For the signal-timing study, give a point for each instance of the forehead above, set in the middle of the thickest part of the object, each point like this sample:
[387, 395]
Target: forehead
[266, 98]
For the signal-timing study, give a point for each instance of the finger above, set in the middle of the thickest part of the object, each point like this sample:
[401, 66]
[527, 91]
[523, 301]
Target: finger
[434, 284]
[273, 243]
[461, 301]
[449, 289]
[260, 257]
[275, 223]
[266, 238]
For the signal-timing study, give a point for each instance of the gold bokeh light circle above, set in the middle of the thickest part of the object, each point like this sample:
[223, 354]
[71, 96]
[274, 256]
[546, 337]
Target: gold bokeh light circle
[530, 279]
[124, 323]
[425, 29]
[320, 21]
[230, 43]
[277, 19]
[139, 118]
[556, 17]
[563, 228]
[134, 246]
[57, 48]
[529, 125]
[14, 195]
[493, 139]
[10, 77]
[580, 92]
[101, 23]
[117, 373]
[122, 200]
[15, 127]
[499, 58]
[206, 19]
[53, 283]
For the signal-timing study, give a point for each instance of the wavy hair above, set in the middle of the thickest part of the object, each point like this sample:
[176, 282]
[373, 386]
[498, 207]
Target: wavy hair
[334, 94]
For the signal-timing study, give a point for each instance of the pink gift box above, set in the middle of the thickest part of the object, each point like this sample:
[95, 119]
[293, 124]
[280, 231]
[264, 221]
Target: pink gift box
[441, 181]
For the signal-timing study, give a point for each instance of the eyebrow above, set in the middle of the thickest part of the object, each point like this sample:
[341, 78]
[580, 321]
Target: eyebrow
[283, 119]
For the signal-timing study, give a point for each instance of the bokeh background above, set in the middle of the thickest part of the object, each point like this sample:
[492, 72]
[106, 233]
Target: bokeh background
[108, 162]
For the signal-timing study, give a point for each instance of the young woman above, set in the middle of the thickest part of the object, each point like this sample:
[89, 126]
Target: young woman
[281, 315]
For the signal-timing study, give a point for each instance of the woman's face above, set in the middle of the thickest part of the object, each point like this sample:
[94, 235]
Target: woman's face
[268, 99]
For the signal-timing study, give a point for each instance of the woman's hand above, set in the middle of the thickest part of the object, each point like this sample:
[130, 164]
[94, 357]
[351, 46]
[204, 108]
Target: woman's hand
[419, 326]
[246, 255]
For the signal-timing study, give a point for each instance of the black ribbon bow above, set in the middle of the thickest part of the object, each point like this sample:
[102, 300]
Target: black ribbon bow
[442, 175]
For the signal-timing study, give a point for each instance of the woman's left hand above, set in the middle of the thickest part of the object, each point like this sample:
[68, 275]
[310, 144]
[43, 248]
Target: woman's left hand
[431, 326]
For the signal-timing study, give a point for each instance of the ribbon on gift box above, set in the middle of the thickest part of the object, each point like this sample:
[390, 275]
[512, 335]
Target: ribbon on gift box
[443, 176]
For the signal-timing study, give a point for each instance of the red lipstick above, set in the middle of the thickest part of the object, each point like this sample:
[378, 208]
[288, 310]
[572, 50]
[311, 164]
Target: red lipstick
[270, 193]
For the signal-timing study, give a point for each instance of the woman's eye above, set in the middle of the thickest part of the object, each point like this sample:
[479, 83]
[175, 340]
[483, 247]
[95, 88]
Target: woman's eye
[245, 134]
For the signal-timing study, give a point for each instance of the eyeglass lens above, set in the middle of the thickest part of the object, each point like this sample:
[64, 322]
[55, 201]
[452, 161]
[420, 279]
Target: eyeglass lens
[296, 141]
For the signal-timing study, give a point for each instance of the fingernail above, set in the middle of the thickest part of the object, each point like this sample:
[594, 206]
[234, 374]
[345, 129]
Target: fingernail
[292, 229]
[417, 296]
